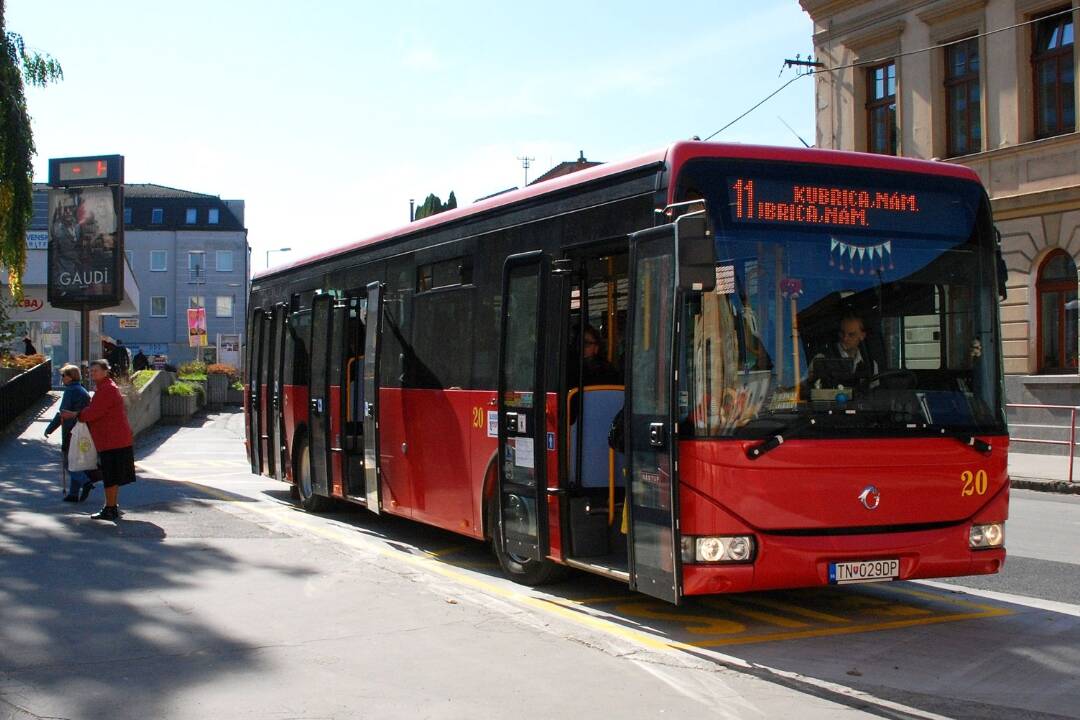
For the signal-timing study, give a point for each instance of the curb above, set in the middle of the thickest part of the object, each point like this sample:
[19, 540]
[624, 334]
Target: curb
[1050, 486]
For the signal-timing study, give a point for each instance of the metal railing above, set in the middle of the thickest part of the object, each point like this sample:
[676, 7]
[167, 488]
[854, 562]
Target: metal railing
[23, 390]
[1071, 442]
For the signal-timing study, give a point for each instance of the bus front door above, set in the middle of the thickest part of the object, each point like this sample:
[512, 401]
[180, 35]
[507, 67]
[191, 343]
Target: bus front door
[254, 377]
[322, 309]
[652, 496]
[373, 324]
[521, 498]
[275, 414]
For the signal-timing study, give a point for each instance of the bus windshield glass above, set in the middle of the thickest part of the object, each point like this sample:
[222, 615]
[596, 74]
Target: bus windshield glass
[848, 303]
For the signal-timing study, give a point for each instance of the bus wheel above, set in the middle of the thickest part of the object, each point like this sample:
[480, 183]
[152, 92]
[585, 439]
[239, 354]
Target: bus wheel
[305, 492]
[522, 570]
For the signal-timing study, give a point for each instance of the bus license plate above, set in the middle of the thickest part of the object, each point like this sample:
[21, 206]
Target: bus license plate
[842, 573]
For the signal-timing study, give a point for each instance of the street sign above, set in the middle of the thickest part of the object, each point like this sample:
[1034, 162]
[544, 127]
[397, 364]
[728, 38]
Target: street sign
[131, 323]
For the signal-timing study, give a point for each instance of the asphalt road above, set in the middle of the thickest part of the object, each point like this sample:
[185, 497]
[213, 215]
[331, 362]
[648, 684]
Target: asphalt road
[214, 597]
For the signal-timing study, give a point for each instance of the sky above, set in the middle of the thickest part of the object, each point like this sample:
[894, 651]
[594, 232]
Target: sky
[327, 117]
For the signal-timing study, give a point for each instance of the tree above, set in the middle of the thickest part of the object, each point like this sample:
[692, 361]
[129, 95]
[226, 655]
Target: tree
[18, 65]
[433, 205]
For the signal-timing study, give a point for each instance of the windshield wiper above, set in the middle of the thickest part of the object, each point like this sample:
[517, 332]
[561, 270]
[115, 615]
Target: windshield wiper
[755, 451]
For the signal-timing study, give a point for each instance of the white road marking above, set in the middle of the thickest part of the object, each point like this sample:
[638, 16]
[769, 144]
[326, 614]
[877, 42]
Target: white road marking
[1026, 601]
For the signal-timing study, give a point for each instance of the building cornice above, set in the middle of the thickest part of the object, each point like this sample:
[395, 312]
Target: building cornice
[816, 8]
[945, 10]
[876, 35]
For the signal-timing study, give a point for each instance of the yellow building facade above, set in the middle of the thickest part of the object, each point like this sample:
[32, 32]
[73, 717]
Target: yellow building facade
[989, 84]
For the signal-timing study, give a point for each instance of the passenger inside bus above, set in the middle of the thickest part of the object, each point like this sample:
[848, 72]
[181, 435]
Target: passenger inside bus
[595, 396]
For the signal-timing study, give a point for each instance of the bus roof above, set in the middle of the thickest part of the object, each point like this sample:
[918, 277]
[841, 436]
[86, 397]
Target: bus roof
[674, 155]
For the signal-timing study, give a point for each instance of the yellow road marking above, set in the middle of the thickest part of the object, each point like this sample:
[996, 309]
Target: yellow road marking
[987, 612]
[738, 607]
[569, 609]
[799, 610]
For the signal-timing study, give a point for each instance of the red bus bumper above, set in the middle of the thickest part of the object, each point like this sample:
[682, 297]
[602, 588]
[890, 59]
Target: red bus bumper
[785, 561]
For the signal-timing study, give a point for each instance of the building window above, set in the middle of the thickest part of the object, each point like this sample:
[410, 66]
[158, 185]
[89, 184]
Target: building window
[157, 216]
[224, 306]
[223, 261]
[196, 301]
[1056, 289]
[963, 116]
[127, 216]
[158, 306]
[196, 266]
[1052, 64]
[881, 108]
[213, 216]
[191, 215]
[159, 260]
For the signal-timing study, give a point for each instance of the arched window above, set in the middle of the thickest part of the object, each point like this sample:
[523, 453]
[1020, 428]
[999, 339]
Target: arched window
[1056, 288]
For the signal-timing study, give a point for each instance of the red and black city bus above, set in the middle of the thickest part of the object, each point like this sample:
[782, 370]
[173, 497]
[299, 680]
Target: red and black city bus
[713, 368]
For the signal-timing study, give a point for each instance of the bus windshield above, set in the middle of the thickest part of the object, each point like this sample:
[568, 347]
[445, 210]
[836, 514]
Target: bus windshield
[849, 306]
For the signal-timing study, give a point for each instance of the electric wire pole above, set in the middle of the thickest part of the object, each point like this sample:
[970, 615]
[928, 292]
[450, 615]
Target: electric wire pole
[526, 162]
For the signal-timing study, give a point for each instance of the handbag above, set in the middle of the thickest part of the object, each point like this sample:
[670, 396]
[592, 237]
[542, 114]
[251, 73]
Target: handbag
[82, 455]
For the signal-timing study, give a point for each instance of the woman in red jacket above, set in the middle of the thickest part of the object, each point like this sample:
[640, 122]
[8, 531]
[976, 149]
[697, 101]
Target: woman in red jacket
[108, 423]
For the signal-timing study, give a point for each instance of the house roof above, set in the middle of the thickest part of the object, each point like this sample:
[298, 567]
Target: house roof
[143, 198]
[565, 168]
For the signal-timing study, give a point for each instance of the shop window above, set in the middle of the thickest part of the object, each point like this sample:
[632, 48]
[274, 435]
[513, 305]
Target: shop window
[963, 102]
[881, 108]
[1052, 65]
[1057, 308]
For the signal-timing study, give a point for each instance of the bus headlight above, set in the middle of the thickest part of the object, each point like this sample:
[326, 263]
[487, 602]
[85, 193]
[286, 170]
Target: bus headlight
[991, 535]
[717, 548]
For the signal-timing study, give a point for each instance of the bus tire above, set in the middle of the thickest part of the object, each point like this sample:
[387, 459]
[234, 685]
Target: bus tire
[524, 571]
[306, 497]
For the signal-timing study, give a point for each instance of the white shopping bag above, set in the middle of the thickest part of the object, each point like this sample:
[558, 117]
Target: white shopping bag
[82, 455]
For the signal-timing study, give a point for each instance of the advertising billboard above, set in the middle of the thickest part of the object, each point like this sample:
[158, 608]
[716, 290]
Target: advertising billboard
[196, 327]
[86, 247]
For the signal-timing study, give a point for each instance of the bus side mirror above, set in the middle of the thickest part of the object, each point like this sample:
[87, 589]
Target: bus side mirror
[696, 252]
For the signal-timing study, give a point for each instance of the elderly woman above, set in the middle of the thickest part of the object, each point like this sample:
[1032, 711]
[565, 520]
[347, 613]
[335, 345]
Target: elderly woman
[75, 399]
[108, 423]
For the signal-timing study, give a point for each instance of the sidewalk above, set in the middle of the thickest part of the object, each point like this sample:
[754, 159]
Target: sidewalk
[1047, 473]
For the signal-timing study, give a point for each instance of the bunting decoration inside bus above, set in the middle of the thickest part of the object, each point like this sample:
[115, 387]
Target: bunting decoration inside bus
[875, 257]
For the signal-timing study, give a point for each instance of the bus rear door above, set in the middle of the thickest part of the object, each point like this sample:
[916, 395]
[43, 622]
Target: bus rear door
[322, 309]
[373, 324]
[522, 404]
[274, 415]
[254, 377]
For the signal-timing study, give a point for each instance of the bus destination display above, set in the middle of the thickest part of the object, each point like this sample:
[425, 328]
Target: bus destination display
[768, 200]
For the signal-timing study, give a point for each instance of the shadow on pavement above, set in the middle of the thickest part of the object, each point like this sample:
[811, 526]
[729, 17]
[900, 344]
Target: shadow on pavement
[87, 603]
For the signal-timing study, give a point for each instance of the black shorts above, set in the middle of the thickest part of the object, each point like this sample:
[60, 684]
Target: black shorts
[117, 466]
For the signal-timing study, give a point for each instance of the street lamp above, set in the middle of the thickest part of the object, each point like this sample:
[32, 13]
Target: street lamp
[274, 251]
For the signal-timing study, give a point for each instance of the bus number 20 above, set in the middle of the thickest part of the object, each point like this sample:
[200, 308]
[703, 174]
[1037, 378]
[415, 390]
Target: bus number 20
[973, 484]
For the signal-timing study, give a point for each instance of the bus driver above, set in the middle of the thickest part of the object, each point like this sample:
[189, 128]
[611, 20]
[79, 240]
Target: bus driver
[849, 346]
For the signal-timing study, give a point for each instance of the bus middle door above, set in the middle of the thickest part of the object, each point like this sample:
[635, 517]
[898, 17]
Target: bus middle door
[522, 406]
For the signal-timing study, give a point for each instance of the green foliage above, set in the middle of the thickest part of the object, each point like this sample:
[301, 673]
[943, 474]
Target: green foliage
[433, 205]
[238, 386]
[142, 378]
[186, 389]
[17, 147]
[195, 367]
[7, 328]
[192, 377]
